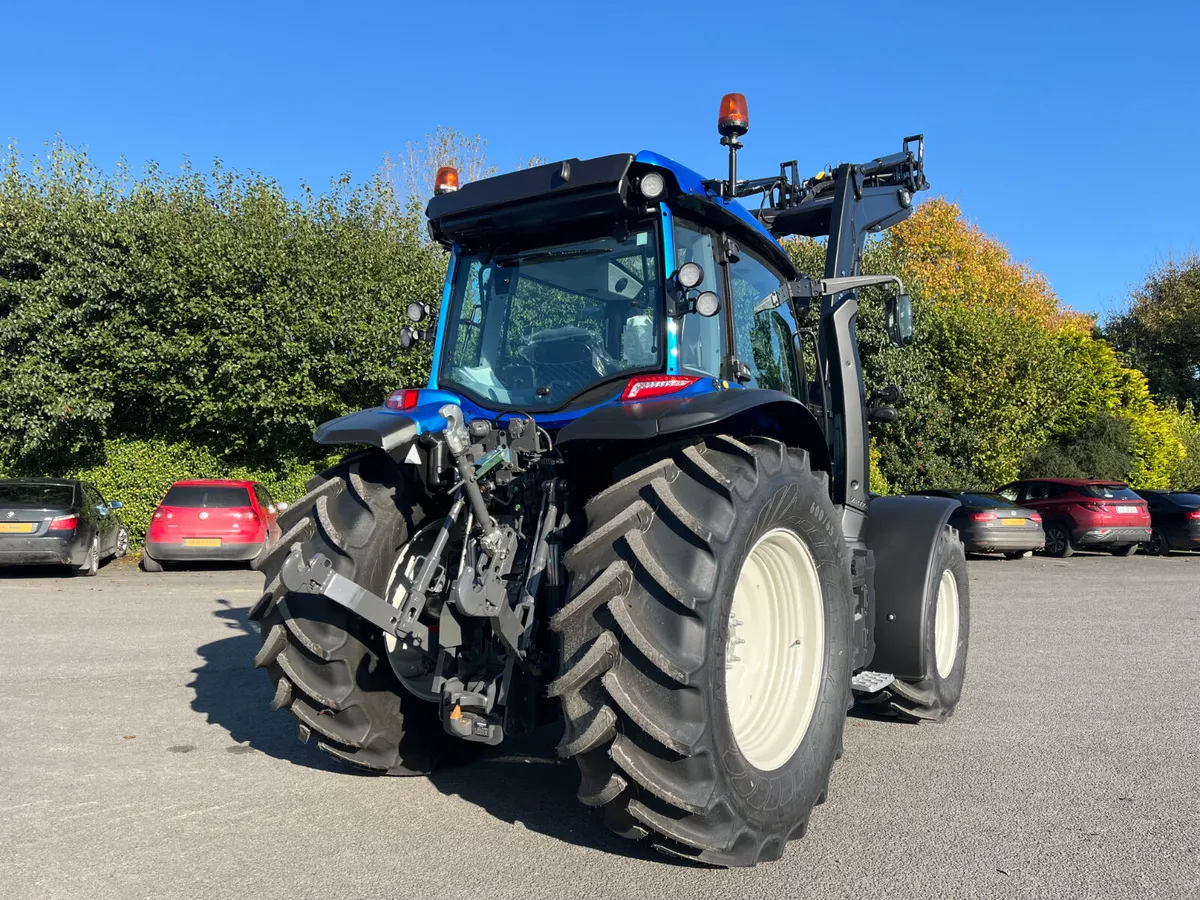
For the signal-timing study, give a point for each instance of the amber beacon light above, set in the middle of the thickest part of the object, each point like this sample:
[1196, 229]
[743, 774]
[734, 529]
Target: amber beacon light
[734, 119]
[446, 180]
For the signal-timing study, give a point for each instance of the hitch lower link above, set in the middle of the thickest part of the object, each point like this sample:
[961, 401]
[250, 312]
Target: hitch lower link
[318, 577]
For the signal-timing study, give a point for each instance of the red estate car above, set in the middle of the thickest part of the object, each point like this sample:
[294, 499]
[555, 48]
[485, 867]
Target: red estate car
[210, 519]
[1081, 514]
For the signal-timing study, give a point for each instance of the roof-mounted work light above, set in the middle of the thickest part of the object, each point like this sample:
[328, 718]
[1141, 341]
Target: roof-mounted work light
[446, 180]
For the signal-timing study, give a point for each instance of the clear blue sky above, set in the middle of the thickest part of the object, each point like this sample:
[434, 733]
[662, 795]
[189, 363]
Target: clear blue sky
[1073, 136]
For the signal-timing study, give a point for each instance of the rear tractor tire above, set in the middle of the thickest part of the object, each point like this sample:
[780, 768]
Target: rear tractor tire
[707, 649]
[330, 668]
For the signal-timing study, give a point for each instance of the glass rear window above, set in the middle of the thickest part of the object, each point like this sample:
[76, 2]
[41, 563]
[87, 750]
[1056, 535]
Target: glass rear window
[1183, 498]
[206, 496]
[985, 500]
[38, 496]
[1108, 491]
[534, 329]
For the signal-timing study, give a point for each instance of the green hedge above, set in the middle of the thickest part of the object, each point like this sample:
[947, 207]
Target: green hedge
[138, 473]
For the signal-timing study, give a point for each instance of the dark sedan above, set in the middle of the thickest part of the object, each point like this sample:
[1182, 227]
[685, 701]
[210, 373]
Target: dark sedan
[58, 522]
[989, 523]
[1174, 521]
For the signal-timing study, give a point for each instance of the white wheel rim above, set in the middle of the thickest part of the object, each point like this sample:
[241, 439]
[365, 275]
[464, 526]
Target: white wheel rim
[945, 624]
[406, 661]
[775, 651]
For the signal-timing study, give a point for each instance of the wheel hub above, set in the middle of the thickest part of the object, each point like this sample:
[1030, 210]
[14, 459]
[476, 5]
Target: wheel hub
[774, 649]
[412, 665]
[945, 624]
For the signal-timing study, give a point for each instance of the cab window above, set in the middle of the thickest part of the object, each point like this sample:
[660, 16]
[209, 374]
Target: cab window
[763, 324]
[701, 339]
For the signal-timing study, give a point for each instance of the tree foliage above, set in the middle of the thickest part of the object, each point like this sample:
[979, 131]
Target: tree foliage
[207, 308]
[1159, 331]
[998, 366]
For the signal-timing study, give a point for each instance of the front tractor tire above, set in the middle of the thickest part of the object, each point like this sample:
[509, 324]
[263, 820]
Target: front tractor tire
[707, 650]
[330, 668]
[946, 615]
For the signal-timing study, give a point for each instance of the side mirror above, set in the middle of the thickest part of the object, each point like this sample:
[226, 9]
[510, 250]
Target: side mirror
[898, 310]
[116, 504]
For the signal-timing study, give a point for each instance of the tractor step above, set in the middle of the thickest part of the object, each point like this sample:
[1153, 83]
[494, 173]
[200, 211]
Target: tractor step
[866, 682]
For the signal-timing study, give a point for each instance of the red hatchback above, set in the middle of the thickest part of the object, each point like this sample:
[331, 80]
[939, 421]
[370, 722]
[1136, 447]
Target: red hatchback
[1079, 514]
[210, 519]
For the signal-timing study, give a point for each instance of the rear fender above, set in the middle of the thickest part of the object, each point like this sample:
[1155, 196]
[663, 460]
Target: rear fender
[388, 429]
[746, 411]
[902, 533]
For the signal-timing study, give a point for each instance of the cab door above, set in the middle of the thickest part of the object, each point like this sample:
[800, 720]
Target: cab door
[763, 326]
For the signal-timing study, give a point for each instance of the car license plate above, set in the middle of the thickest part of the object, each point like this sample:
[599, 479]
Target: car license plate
[1127, 509]
[1012, 521]
[202, 542]
[17, 527]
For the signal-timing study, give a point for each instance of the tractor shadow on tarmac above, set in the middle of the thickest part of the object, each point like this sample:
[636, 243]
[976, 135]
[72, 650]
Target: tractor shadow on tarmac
[231, 693]
[523, 781]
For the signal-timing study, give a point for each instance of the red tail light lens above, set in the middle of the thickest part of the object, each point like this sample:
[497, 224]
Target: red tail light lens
[645, 387]
[1193, 514]
[1096, 507]
[402, 399]
[158, 514]
[64, 523]
[982, 517]
[1035, 517]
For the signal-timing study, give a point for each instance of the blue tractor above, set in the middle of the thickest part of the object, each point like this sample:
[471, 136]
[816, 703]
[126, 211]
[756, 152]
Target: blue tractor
[633, 497]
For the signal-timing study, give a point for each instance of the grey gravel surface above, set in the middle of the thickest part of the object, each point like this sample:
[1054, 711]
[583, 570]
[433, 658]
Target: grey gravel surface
[138, 758]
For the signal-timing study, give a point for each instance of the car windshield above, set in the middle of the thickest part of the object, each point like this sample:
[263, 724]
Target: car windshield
[1109, 491]
[535, 329]
[206, 496]
[37, 496]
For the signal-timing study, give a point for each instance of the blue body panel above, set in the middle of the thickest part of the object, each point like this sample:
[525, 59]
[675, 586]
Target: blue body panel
[427, 418]
[691, 182]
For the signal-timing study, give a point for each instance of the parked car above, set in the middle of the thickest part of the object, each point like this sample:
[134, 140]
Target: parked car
[58, 521]
[989, 523]
[1174, 521]
[210, 519]
[1083, 514]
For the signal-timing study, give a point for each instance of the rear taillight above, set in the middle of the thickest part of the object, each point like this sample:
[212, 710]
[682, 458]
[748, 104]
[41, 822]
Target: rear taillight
[402, 399]
[982, 516]
[158, 514]
[64, 523]
[1192, 514]
[646, 387]
[1035, 517]
[1096, 507]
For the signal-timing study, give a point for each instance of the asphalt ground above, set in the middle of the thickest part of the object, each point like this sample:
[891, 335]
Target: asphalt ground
[138, 758]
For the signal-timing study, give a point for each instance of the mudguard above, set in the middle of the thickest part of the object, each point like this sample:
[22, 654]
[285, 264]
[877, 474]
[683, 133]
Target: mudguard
[379, 427]
[739, 411]
[903, 532]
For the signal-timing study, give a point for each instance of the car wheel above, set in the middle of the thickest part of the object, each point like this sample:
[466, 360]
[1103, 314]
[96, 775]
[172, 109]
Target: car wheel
[1058, 541]
[150, 564]
[1158, 544]
[91, 562]
[122, 547]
